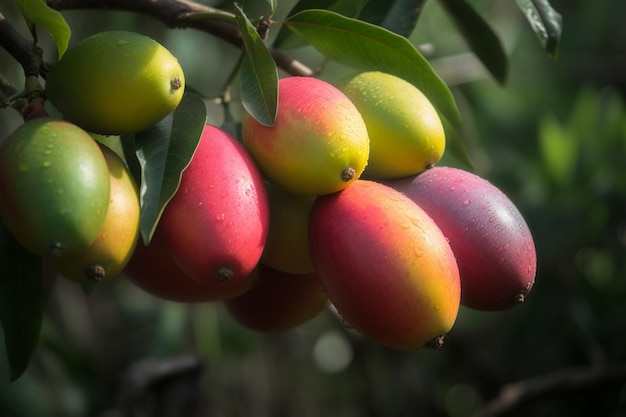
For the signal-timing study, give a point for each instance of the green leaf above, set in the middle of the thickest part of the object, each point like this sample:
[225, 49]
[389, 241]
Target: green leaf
[480, 37]
[39, 13]
[163, 152]
[286, 39]
[273, 4]
[20, 304]
[545, 22]
[399, 16]
[258, 76]
[372, 48]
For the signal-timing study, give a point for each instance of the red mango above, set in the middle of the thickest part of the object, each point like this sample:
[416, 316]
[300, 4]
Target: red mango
[152, 269]
[385, 265]
[216, 225]
[278, 300]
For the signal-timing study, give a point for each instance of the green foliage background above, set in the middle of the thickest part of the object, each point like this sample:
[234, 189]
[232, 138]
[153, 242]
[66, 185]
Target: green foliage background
[553, 138]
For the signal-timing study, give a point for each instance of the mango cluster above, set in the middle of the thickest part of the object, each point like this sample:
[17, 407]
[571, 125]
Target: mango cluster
[339, 202]
[65, 196]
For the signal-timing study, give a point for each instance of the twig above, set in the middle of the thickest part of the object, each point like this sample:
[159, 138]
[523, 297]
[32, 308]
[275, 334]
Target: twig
[562, 382]
[30, 56]
[26, 52]
[184, 14]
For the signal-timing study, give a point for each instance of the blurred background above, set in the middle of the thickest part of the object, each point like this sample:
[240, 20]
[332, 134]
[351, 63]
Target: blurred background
[553, 139]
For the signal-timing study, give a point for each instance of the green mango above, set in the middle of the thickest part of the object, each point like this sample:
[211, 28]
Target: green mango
[405, 131]
[54, 187]
[116, 82]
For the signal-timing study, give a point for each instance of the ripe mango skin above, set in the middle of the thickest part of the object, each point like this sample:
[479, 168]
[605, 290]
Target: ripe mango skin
[54, 187]
[116, 82]
[152, 269]
[406, 133]
[216, 225]
[489, 236]
[278, 301]
[110, 252]
[319, 135]
[385, 265]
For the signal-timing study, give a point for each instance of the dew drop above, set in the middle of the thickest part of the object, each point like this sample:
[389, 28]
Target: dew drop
[220, 217]
[415, 221]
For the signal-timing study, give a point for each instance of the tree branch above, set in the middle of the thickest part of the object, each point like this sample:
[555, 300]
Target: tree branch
[24, 51]
[185, 14]
[30, 56]
[562, 382]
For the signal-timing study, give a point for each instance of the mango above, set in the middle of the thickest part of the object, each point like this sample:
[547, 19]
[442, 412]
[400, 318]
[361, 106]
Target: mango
[216, 224]
[110, 252]
[278, 301]
[153, 270]
[406, 133]
[491, 240]
[318, 144]
[116, 82]
[54, 187]
[385, 265]
[287, 245]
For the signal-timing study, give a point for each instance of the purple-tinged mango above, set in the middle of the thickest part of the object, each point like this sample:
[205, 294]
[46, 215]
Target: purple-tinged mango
[492, 243]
